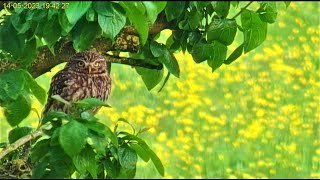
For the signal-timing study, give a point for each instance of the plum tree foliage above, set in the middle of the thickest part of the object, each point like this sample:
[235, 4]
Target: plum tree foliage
[36, 36]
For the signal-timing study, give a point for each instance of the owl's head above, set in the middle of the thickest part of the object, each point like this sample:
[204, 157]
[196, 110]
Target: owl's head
[88, 62]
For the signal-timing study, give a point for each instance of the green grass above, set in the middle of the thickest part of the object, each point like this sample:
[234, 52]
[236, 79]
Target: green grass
[256, 118]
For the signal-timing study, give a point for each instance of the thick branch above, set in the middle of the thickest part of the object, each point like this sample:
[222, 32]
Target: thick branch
[63, 49]
[20, 142]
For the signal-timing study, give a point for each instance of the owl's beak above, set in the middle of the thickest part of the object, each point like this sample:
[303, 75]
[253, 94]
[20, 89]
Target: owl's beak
[89, 69]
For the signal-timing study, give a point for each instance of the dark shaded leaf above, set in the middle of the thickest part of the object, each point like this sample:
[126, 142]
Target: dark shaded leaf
[36, 89]
[112, 168]
[165, 57]
[174, 9]
[18, 133]
[194, 19]
[64, 22]
[155, 159]
[84, 33]
[39, 150]
[85, 161]
[255, 30]
[29, 53]
[13, 44]
[221, 7]
[52, 31]
[219, 53]
[73, 137]
[16, 111]
[222, 30]
[150, 77]
[234, 55]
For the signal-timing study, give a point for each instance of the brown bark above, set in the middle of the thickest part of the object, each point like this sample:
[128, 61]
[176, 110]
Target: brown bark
[127, 41]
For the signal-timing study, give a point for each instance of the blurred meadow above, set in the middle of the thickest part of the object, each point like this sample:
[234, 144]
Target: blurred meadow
[256, 118]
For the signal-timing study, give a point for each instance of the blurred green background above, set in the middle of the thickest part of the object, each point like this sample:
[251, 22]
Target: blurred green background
[256, 118]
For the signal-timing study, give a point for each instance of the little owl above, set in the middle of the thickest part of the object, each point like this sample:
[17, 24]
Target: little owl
[84, 76]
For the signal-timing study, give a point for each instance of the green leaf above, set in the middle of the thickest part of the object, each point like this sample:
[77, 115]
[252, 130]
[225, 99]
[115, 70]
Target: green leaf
[76, 10]
[52, 31]
[29, 53]
[255, 30]
[85, 161]
[153, 9]
[101, 128]
[12, 82]
[199, 4]
[137, 18]
[90, 15]
[73, 137]
[20, 24]
[194, 19]
[61, 165]
[36, 15]
[150, 77]
[222, 30]
[268, 11]
[235, 3]
[89, 103]
[235, 55]
[10, 41]
[64, 22]
[143, 154]
[36, 89]
[18, 133]
[16, 111]
[52, 115]
[155, 159]
[219, 53]
[112, 168]
[84, 33]
[98, 142]
[201, 51]
[110, 19]
[165, 57]
[287, 3]
[127, 157]
[174, 9]
[39, 150]
[221, 7]
[39, 170]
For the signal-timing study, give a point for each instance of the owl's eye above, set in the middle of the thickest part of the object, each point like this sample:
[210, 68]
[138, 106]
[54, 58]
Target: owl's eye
[81, 64]
[96, 64]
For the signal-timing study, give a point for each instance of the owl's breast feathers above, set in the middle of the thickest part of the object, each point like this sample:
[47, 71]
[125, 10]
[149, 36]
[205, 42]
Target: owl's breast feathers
[73, 86]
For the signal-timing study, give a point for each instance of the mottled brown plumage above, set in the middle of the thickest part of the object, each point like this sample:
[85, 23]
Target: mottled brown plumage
[84, 76]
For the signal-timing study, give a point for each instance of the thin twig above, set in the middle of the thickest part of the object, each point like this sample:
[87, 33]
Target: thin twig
[131, 62]
[245, 7]
[20, 142]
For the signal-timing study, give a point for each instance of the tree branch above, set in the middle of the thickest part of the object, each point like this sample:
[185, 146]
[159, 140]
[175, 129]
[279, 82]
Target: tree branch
[20, 142]
[127, 41]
